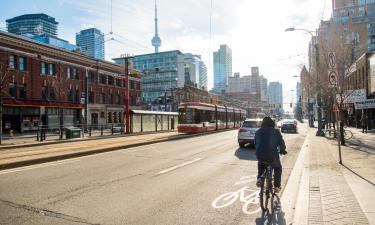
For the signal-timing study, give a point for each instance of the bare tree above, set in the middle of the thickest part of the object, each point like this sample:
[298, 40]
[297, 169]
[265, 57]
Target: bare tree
[337, 94]
[4, 72]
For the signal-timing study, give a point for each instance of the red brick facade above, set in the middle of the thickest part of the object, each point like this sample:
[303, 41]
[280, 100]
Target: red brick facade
[44, 83]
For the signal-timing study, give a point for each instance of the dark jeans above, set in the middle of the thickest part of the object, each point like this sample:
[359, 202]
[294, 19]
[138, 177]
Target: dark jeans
[277, 170]
[364, 129]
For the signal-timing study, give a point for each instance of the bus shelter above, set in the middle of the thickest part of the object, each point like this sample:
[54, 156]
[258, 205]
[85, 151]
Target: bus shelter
[152, 121]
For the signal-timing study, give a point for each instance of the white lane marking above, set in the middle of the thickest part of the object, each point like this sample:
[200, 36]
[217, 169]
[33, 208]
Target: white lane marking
[38, 166]
[179, 166]
[137, 150]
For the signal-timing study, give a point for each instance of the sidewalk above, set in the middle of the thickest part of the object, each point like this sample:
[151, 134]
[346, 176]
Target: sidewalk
[31, 138]
[11, 158]
[330, 193]
[361, 141]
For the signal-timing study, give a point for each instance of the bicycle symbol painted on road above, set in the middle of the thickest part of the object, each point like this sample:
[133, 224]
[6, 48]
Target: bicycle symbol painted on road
[246, 195]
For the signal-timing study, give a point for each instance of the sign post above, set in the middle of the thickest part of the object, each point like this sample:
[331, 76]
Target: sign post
[332, 82]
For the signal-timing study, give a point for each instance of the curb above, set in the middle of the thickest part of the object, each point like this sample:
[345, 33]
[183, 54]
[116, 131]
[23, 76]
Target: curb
[13, 165]
[7, 147]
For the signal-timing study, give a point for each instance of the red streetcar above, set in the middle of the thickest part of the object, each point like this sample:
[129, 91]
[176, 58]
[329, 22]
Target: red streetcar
[197, 117]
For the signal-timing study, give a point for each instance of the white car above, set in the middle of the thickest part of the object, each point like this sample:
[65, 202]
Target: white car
[246, 133]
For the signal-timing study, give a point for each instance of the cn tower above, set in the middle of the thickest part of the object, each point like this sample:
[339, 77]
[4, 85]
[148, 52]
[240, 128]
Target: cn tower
[156, 41]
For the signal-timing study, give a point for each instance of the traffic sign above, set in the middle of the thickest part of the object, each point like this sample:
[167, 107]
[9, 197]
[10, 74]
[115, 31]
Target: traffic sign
[332, 78]
[331, 60]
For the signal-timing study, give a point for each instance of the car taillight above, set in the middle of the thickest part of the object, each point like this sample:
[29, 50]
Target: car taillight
[242, 130]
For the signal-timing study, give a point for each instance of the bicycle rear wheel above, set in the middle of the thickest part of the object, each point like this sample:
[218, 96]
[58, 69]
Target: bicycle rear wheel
[264, 195]
[275, 204]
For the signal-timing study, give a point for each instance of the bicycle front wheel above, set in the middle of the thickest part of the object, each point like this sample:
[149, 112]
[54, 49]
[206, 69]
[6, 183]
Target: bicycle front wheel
[348, 134]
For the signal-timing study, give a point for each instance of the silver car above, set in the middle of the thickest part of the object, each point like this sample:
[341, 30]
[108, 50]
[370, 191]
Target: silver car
[246, 133]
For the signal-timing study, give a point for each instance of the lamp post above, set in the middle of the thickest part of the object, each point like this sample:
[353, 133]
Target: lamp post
[319, 102]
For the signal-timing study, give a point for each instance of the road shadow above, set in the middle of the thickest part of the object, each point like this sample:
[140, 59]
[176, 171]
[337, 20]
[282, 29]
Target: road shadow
[357, 174]
[245, 154]
[277, 217]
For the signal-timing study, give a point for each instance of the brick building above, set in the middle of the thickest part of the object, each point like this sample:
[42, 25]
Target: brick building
[47, 85]
[359, 95]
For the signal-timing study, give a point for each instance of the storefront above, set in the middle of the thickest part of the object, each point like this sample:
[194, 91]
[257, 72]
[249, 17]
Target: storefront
[368, 108]
[20, 119]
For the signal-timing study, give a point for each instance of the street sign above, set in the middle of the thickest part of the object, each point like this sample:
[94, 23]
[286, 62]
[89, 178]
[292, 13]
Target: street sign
[331, 60]
[332, 78]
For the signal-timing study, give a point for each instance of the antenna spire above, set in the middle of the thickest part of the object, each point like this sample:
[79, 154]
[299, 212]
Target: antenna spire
[156, 41]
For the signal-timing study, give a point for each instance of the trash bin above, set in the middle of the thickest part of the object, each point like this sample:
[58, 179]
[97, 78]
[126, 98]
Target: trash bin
[72, 132]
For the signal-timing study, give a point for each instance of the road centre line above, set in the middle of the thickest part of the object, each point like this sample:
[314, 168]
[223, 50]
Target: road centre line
[39, 166]
[179, 166]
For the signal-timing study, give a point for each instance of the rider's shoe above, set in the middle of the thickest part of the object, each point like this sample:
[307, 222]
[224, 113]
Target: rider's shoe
[259, 182]
[277, 190]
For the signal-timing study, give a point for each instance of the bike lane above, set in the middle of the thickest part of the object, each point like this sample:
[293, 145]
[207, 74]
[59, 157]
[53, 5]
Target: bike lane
[177, 182]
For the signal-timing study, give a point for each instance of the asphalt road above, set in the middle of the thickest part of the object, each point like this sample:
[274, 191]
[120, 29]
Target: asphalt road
[175, 182]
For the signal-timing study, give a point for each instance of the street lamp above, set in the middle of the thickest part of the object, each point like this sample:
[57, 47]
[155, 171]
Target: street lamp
[320, 131]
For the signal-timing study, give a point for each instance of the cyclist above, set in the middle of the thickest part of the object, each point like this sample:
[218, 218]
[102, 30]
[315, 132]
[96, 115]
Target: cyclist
[268, 144]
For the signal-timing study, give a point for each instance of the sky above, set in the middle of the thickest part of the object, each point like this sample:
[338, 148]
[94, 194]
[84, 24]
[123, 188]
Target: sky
[254, 30]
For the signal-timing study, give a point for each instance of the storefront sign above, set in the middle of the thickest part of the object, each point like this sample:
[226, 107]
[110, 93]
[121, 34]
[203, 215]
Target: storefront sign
[367, 104]
[352, 96]
[372, 74]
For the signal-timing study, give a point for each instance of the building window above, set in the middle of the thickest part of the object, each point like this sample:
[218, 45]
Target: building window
[110, 80]
[132, 84]
[110, 99]
[118, 83]
[91, 97]
[109, 117]
[120, 117]
[22, 90]
[52, 94]
[13, 90]
[115, 118]
[45, 93]
[68, 69]
[21, 64]
[70, 95]
[51, 69]
[91, 78]
[102, 98]
[117, 99]
[102, 79]
[43, 68]
[77, 97]
[12, 62]
[75, 74]
[102, 114]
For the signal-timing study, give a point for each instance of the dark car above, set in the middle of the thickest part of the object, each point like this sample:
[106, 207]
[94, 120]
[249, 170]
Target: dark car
[289, 126]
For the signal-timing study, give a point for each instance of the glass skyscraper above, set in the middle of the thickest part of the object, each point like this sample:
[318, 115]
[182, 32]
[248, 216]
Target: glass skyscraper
[275, 94]
[91, 42]
[222, 68]
[160, 73]
[33, 24]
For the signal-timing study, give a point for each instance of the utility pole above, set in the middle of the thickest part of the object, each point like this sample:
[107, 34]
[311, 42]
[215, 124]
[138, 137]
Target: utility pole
[86, 98]
[127, 115]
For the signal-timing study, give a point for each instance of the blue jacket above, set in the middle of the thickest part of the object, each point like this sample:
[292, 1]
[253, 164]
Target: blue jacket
[268, 143]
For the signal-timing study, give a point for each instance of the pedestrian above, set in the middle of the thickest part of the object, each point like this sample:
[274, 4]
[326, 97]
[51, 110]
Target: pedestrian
[364, 122]
[268, 142]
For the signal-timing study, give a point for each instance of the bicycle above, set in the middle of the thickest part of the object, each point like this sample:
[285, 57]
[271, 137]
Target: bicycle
[347, 133]
[267, 190]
